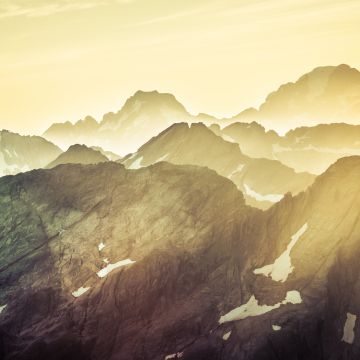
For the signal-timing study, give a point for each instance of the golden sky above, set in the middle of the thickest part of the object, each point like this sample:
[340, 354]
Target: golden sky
[65, 59]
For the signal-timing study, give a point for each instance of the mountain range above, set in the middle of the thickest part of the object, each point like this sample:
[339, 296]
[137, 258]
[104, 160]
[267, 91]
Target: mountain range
[143, 115]
[327, 94]
[168, 262]
[311, 149]
[205, 239]
[23, 153]
[262, 181]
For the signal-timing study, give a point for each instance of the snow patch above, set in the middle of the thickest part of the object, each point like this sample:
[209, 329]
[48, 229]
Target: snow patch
[177, 355]
[80, 291]
[110, 267]
[101, 246]
[277, 148]
[10, 169]
[162, 158]
[259, 197]
[61, 232]
[229, 138]
[2, 308]
[226, 336]
[276, 327]
[7, 151]
[349, 334]
[282, 268]
[132, 156]
[252, 307]
[236, 171]
[136, 164]
[106, 261]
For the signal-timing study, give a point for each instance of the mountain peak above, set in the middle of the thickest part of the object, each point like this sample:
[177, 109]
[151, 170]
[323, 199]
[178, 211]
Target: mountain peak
[153, 99]
[325, 94]
[78, 154]
[79, 147]
[88, 121]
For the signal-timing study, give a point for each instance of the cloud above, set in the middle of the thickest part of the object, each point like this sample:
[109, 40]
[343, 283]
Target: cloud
[13, 8]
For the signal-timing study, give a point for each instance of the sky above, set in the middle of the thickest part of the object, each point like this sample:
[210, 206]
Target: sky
[62, 60]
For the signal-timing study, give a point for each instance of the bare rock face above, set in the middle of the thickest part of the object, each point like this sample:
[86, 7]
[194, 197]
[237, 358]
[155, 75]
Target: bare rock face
[191, 272]
[309, 245]
[51, 248]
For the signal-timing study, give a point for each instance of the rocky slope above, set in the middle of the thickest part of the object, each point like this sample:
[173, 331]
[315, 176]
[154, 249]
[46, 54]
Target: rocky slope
[320, 230]
[75, 221]
[206, 277]
[22, 153]
[263, 181]
[78, 154]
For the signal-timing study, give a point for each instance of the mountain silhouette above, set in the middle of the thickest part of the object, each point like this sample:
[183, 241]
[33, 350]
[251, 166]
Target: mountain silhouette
[143, 115]
[327, 94]
[20, 153]
[263, 181]
[78, 154]
[310, 149]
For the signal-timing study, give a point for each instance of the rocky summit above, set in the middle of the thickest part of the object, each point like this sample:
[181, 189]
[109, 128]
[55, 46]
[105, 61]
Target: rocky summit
[79, 154]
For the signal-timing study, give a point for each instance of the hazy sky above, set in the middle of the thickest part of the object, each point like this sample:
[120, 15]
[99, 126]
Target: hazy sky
[65, 59]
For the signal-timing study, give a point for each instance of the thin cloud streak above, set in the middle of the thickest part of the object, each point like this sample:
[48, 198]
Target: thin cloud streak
[20, 9]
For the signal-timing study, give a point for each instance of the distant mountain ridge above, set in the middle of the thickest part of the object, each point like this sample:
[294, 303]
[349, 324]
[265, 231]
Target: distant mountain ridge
[78, 154]
[312, 149]
[263, 181]
[19, 153]
[327, 94]
[143, 115]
